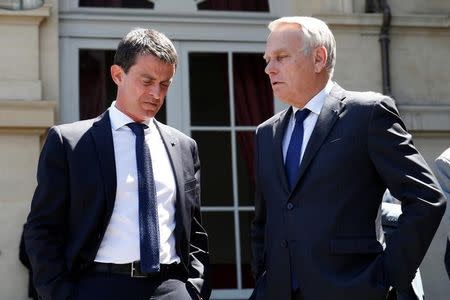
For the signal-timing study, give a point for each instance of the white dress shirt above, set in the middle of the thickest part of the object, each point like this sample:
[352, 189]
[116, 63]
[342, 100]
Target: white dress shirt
[315, 106]
[120, 243]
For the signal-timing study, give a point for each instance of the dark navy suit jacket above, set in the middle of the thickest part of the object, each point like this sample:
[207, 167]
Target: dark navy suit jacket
[324, 228]
[74, 200]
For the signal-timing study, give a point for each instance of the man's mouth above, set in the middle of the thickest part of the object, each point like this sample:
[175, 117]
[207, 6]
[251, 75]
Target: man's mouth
[150, 102]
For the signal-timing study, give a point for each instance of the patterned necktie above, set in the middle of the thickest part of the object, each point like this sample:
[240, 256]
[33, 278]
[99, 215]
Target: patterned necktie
[148, 214]
[292, 163]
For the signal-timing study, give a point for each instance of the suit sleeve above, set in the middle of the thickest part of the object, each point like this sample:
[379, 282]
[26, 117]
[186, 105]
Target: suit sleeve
[198, 248]
[44, 232]
[258, 223]
[410, 180]
[443, 171]
[443, 176]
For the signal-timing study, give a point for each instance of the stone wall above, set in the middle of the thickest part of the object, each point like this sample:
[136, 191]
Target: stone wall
[28, 90]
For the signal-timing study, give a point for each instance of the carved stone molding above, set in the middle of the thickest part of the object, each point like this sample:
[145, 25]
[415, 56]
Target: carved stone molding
[25, 17]
[26, 114]
[19, 70]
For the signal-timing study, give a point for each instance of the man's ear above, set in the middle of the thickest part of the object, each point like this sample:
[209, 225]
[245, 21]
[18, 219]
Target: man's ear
[320, 58]
[117, 74]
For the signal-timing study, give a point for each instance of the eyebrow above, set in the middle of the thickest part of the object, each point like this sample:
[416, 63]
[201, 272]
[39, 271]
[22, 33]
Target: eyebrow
[150, 77]
[276, 52]
[147, 77]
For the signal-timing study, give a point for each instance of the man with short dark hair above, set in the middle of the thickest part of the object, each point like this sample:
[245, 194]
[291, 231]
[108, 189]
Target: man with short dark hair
[116, 213]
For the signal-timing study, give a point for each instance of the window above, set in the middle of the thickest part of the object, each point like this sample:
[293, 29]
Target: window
[235, 5]
[229, 96]
[218, 96]
[117, 3]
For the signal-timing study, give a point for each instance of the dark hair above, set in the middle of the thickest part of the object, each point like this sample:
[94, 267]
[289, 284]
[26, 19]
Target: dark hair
[142, 41]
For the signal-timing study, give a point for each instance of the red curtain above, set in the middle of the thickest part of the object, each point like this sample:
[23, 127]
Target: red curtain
[253, 100]
[235, 5]
[92, 84]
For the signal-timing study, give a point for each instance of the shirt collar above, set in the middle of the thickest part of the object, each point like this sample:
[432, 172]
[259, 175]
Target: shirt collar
[119, 119]
[316, 103]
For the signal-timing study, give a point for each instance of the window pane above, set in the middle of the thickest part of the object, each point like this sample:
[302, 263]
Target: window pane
[245, 219]
[97, 89]
[220, 229]
[215, 157]
[245, 162]
[235, 5]
[116, 3]
[253, 94]
[209, 95]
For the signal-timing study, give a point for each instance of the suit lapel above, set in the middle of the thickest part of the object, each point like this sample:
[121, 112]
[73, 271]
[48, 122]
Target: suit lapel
[331, 109]
[278, 132]
[104, 145]
[173, 150]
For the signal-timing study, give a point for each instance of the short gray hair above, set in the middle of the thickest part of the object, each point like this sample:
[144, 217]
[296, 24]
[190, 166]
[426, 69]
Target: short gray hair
[141, 41]
[315, 33]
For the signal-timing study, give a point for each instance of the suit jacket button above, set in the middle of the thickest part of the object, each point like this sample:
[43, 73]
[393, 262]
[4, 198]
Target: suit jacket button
[290, 206]
[284, 243]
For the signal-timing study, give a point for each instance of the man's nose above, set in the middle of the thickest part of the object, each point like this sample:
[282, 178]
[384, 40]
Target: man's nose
[155, 91]
[270, 68]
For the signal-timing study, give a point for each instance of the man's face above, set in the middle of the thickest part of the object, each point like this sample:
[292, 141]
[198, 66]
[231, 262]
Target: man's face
[291, 71]
[141, 91]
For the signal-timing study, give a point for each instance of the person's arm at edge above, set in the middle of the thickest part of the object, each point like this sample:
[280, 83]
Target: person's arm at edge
[443, 171]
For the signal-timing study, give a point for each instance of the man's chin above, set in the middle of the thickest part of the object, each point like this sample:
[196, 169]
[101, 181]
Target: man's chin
[150, 114]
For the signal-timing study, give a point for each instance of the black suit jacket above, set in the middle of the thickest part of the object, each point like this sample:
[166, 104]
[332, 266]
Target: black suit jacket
[324, 228]
[74, 200]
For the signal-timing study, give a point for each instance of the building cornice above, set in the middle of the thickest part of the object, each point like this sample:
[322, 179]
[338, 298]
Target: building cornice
[211, 26]
[25, 17]
[27, 114]
[426, 117]
[376, 19]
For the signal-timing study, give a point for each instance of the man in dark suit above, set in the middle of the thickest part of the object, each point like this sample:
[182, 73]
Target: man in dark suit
[322, 166]
[116, 213]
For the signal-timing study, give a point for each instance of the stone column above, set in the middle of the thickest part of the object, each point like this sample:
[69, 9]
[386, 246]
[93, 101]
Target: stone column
[24, 119]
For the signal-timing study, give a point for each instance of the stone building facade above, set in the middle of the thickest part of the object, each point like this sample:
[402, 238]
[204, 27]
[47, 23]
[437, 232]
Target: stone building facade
[46, 59]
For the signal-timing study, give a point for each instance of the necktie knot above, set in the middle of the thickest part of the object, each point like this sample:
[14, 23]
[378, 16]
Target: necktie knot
[301, 115]
[137, 128]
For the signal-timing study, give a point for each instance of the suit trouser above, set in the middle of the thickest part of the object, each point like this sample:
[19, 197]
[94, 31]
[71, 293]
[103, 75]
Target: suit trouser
[297, 295]
[97, 285]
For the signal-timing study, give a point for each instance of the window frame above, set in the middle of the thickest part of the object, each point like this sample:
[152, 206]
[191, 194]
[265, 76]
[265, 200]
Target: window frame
[275, 7]
[232, 128]
[102, 28]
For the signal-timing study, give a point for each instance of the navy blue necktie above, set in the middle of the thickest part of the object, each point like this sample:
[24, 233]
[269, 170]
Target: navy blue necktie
[292, 163]
[148, 213]
[292, 166]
